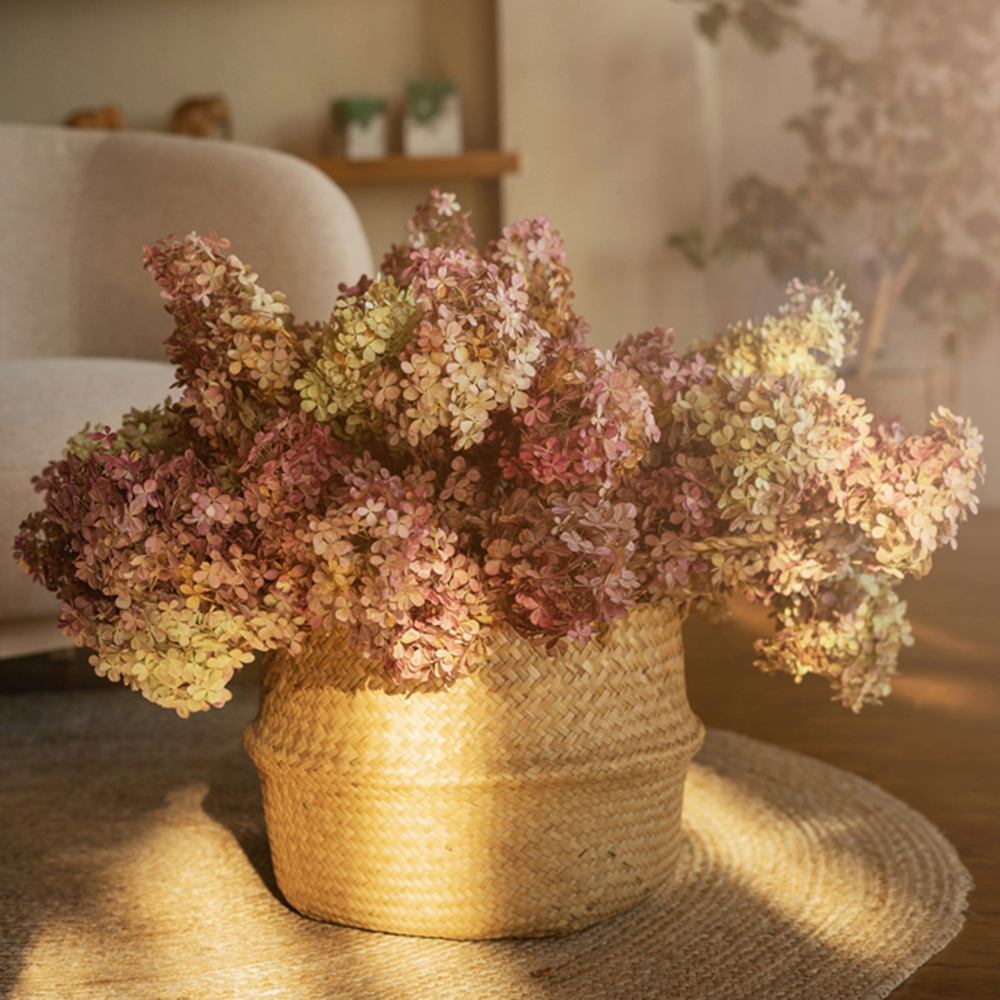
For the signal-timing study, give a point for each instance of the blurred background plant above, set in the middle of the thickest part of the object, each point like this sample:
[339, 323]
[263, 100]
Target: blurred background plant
[900, 138]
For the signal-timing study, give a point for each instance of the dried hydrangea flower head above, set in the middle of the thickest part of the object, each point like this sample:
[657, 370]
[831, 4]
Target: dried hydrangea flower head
[775, 482]
[813, 333]
[445, 457]
[367, 329]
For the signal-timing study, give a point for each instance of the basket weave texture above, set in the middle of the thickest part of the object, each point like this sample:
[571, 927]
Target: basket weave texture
[536, 797]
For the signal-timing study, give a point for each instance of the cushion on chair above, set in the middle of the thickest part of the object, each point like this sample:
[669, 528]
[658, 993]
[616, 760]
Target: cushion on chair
[77, 206]
[41, 403]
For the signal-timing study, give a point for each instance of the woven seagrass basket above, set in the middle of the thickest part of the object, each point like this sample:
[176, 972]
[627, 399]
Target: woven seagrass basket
[536, 797]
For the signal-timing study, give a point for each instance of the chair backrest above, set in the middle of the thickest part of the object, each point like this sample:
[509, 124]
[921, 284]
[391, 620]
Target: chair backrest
[77, 206]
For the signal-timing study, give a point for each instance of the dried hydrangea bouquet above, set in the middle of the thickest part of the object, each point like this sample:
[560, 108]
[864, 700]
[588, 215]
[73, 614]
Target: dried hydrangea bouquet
[466, 540]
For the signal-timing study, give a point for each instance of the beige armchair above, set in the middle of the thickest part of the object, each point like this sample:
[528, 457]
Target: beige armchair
[82, 324]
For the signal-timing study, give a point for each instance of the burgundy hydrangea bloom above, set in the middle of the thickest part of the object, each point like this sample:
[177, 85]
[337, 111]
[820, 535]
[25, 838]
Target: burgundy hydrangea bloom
[562, 564]
[588, 423]
[391, 569]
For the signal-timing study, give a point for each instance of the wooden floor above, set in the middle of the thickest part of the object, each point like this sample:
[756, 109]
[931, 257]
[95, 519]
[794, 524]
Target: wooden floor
[935, 743]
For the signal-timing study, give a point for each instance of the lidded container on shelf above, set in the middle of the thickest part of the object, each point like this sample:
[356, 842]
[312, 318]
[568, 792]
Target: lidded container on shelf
[432, 125]
[360, 128]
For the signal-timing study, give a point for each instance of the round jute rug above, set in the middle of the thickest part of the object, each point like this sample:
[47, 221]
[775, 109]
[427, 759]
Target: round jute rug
[133, 864]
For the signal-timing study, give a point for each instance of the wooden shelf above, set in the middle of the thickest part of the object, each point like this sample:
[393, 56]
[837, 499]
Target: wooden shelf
[476, 164]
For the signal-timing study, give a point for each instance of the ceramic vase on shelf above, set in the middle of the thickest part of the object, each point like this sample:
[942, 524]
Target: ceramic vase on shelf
[360, 128]
[432, 125]
[536, 797]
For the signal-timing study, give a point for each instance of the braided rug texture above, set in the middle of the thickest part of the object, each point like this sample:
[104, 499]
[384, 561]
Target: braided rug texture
[134, 864]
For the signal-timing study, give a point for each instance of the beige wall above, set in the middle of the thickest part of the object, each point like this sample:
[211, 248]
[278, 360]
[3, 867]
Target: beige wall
[280, 65]
[602, 101]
